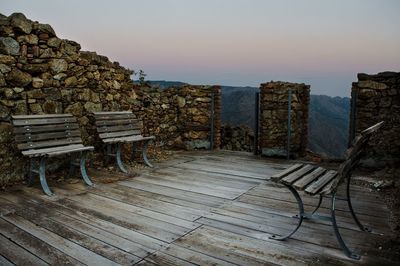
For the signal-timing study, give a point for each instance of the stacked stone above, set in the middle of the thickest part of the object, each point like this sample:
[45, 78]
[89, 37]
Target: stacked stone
[237, 138]
[40, 73]
[274, 118]
[378, 99]
[217, 116]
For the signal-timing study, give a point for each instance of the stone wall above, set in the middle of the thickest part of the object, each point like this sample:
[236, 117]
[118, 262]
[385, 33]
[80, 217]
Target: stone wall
[40, 73]
[274, 118]
[237, 138]
[376, 98]
[180, 117]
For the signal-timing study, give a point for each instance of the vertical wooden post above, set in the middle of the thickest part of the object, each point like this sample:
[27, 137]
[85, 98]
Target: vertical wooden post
[256, 123]
[212, 122]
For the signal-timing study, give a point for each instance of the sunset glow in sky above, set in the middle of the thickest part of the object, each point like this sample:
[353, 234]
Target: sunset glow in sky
[324, 43]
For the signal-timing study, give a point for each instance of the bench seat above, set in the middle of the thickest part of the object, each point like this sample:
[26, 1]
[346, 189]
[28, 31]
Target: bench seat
[39, 137]
[314, 180]
[116, 128]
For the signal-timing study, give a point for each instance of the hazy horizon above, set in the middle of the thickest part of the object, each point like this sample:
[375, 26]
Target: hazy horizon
[233, 42]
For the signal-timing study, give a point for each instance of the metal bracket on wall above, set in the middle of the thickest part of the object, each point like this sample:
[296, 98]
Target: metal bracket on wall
[289, 125]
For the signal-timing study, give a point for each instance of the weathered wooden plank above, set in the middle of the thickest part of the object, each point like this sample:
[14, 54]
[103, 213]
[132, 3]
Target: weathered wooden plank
[237, 249]
[18, 255]
[147, 202]
[307, 179]
[143, 242]
[222, 170]
[287, 171]
[117, 122]
[112, 203]
[70, 248]
[40, 152]
[321, 182]
[45, 128]
[43, 121]
[5, 262]
[117, 128]
[47, 136]
[292, 177]
[128, 139]
[49, 143]
[57, 153]
[40, 116]
[160, 258]
[44, 251]
[117, 134]
[148, 178]
[155, 228]
[112, 112]
[177, 193]
[193, 256]
[115, 116]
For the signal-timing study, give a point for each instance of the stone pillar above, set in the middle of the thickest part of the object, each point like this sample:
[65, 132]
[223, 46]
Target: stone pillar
[217, 116]
[377, 98]
[274, 118]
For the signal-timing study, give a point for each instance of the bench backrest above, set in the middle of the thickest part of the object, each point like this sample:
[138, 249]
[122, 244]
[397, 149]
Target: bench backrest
[354, 153]
[45, 131]
[111, 125]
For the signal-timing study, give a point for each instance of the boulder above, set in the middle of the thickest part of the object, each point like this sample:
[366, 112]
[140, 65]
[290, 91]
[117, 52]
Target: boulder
[18, 78]
[20, 23]
[58, 65]
[9, 46]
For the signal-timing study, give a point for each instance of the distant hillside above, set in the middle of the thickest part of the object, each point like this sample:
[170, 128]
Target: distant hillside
[163, 84]
[329, 125]
[328, 116]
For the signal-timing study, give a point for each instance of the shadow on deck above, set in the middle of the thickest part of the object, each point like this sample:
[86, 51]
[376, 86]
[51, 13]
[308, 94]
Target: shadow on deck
[205, 208]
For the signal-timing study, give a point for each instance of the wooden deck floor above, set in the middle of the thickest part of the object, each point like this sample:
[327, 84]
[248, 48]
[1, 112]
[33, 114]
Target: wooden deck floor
[197, 208]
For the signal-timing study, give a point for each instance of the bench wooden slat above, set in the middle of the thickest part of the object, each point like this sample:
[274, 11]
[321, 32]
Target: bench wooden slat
[315, 187]
[45, 128]
[116, 122]
[128, 139]
[51, 143]
[112, 112]
[307, 179]
[117, 116]
[69, 150]
[285, 172]
[47, 136]
[40, 152]
[44, 121]
[15, 117]
[118, 128]
[119, 134]
[297, 174]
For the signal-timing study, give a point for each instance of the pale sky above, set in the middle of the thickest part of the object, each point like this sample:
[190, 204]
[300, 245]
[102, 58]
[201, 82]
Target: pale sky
[324, 43]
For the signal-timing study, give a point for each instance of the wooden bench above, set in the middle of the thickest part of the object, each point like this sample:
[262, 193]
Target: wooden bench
[115, 128]
[40, 137]
[315, 180]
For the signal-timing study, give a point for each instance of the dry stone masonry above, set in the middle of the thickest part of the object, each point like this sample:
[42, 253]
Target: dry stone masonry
[274, 118]
[41, 73]
[237, 138]
[376, 98]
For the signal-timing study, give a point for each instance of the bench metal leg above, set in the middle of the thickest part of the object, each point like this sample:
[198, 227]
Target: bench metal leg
[144, 152]
[319, 204]
[300, 215]
[119, 160]
[42, 175]
[362, 228]
[337, 233]
[85, 176]
[32, 170]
